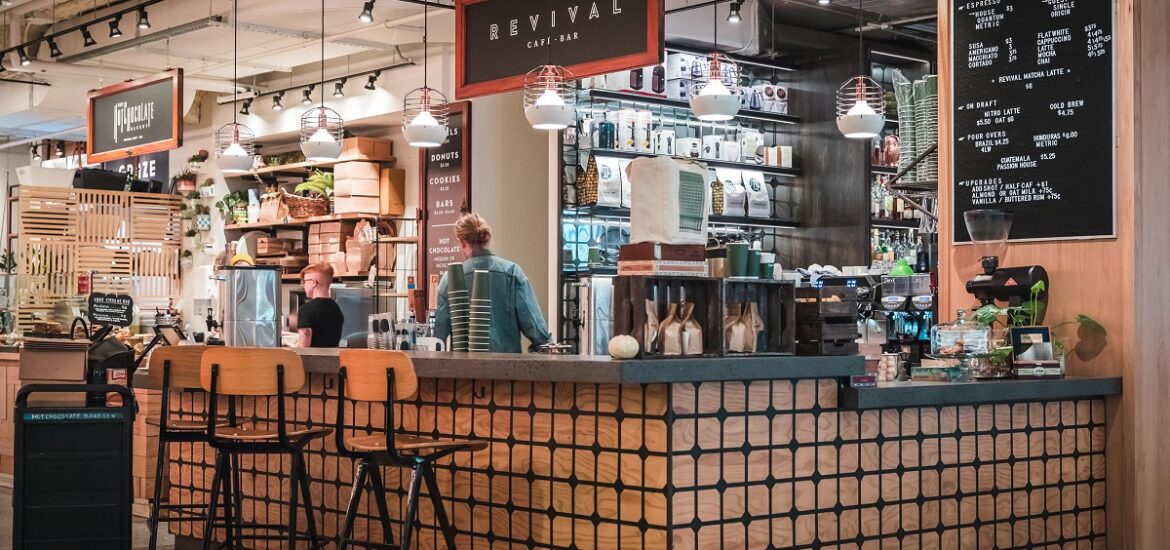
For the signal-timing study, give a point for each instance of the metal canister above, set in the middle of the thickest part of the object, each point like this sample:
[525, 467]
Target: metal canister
[606, 135]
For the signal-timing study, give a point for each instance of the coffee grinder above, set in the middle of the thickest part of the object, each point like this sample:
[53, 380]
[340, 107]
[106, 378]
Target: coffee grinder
[989, 229]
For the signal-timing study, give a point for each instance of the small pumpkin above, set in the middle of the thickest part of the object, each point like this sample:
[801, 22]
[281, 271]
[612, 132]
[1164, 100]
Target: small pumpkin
[623, 346]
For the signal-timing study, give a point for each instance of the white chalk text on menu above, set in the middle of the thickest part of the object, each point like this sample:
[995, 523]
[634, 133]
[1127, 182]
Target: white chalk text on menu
[1034, 115]
[446, 195]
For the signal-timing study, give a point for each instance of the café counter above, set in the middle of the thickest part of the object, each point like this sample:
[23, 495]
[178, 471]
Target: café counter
[689, 453]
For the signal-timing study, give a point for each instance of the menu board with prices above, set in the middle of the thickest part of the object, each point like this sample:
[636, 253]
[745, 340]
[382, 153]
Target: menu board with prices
[1034, 116]
[445, 196]
[111, 309]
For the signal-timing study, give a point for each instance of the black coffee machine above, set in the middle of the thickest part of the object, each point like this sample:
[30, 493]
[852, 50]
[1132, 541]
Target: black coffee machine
[1012, 285]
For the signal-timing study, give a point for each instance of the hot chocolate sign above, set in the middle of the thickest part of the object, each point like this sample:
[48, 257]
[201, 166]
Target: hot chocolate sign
[498, 41]
[136, 117]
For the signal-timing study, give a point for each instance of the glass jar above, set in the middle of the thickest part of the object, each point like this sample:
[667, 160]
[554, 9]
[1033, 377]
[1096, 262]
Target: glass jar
[960, 338]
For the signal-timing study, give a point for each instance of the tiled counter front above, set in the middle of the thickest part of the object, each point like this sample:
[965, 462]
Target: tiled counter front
[762, 464]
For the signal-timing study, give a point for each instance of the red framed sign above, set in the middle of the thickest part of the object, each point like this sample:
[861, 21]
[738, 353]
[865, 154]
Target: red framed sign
[135, 117]
[498, 41]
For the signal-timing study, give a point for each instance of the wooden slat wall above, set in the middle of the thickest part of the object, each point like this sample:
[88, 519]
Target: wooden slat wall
[129, 241]
[1120, 282]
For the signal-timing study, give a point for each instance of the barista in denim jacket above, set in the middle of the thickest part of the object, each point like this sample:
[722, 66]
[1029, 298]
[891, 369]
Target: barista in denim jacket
[514, 307]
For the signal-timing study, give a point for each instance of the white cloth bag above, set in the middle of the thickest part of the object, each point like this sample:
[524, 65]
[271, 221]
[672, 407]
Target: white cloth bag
[668, 202]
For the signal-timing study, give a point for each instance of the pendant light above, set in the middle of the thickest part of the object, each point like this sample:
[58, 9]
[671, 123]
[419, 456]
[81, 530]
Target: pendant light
[550, 95]
[861, 101]
[235, 144]
[715, 92]
[424, 110]
[321, 127]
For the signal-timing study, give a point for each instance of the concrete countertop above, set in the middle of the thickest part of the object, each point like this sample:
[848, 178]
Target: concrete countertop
[927, 394]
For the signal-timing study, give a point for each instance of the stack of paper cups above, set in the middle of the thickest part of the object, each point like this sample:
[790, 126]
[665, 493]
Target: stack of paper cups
[479, 338]
[457, 298]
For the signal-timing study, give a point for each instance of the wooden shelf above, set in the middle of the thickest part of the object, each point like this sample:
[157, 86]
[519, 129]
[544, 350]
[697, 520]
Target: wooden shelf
[885, 170]
[398, 240]
[296, 278]
[895, 224]
[766, 169]
[300, 223]
[763, 116]
[624, 213]
[300, 168]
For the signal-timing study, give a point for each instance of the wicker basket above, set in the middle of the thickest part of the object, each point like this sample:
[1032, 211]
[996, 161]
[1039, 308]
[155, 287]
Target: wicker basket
[305, 207]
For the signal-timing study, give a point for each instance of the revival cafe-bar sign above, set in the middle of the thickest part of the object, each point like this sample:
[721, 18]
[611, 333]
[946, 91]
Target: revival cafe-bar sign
[136, 117]
[498, 41]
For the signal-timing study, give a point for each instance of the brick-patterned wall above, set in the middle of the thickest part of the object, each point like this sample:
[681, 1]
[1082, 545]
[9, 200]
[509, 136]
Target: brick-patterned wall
[767, 464]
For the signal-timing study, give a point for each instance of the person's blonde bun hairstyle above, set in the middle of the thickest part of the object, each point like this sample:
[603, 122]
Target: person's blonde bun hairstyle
[473, 230]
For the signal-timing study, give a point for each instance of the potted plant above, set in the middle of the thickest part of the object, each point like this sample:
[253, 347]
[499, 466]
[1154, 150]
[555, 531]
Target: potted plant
[184, 182]
[196, 161]
[1089, 332]
[312, 197]
[187, 259]
[233, 207]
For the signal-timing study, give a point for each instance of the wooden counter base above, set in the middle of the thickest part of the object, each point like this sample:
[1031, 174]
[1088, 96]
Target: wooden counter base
[765, 464]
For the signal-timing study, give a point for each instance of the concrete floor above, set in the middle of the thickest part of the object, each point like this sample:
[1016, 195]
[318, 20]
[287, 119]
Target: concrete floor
[141, 532]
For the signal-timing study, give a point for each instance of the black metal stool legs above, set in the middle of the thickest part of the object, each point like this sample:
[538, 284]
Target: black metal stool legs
[383, 511]
[411, 506]
[302, 475]
[355, 497]
[428, 474]
[213, 504]
[158, 483]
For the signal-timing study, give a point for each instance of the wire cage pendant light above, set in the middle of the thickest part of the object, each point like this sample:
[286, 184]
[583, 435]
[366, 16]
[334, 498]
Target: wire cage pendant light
[861, 101]
[322, 128]
[714, 94]
[425, 109]
[235, 144]
[550, 97]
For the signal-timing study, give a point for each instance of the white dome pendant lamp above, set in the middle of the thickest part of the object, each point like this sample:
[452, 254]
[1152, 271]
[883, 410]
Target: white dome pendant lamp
[715, 94]
[861, 101]
[424, 110]
[550, 97]
[235, 144]
[322, 129]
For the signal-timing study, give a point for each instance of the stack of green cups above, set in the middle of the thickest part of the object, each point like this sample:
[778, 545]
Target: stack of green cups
[479, 338]
[460, 304]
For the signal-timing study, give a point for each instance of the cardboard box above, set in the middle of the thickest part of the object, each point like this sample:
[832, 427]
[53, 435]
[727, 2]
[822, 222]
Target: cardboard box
[326, 238]
[340, 228]
[387, 255]
[393, 192]
[356, 170]
[678, 89]
[368, 149]
[354, 187]
[323, 249]
[357, 205]
[678, 65]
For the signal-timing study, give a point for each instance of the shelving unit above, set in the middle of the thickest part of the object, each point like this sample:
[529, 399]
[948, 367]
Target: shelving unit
[300, 223]
[643, 99]
[766, 169]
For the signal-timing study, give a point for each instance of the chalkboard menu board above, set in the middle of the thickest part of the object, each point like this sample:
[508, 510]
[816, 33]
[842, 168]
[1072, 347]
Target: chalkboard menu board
[136, 117]
[111, 309]
[498, 41]
[1034, 115]
[445, 196]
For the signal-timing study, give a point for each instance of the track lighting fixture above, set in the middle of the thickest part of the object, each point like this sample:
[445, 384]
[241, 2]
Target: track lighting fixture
[276, 106]
[54, 51]
[35, 151]
[373, 79]
[823, 2]
[733, 15]
[247, 105]
[307, 96]
[87, 37]
[23, 55]
[115, 30]
[339, 88]
[60, 149]
[367, 15]
[143, 19]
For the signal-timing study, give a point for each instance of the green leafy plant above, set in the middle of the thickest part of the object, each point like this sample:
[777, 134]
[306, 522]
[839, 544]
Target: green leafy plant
[229, 202]
[201, 156]
[8, 261]
[319, 184]
[1028, 314]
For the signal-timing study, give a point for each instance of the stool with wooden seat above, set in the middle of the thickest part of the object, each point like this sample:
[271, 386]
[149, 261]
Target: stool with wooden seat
[179, 366]
[257, 372]
[383, 376]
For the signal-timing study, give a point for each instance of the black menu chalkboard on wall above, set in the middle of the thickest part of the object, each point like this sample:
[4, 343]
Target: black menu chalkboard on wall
[1034, 116]
[445, 195]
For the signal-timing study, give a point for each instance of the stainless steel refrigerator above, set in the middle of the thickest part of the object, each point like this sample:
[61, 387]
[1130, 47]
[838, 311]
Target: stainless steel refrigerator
[596, 315]
[249, 302]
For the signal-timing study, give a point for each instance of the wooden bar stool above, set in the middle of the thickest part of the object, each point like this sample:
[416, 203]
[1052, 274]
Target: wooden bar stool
[383, 376]
[180, 372]
[257, 372]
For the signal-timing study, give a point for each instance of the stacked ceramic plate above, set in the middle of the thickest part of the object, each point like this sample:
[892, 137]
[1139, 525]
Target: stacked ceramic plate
[479, 337]
[926, 125]
[904, 92]
[460, 303]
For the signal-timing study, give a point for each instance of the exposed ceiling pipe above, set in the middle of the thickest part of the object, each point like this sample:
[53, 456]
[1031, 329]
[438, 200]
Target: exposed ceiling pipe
[115, 75]
[887, 25]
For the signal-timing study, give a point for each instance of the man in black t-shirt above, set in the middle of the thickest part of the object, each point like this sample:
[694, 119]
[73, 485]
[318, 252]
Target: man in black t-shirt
[319, 320]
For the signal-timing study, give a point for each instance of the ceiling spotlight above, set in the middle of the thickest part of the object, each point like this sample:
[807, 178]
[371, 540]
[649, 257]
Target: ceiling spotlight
[367, 14]
[115, 31]
[24, 60]
[339, 88]
[35, 152]
[54, 51]
[307, 96]
[87, 37]
[276, 106]
[823, 2]
[143, 20]
[60, 149]
[733, 14]
[373, 78]
[247, 104]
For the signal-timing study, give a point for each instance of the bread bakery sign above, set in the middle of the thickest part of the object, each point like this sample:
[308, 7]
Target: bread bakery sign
[136, 117]
[498, 41]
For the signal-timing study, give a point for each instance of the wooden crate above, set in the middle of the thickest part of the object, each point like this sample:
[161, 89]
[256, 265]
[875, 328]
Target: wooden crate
[777, 305]
[630, 295]
[826, 320]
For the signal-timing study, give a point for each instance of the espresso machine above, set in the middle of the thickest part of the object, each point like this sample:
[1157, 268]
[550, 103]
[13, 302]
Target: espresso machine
[1013, 285]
